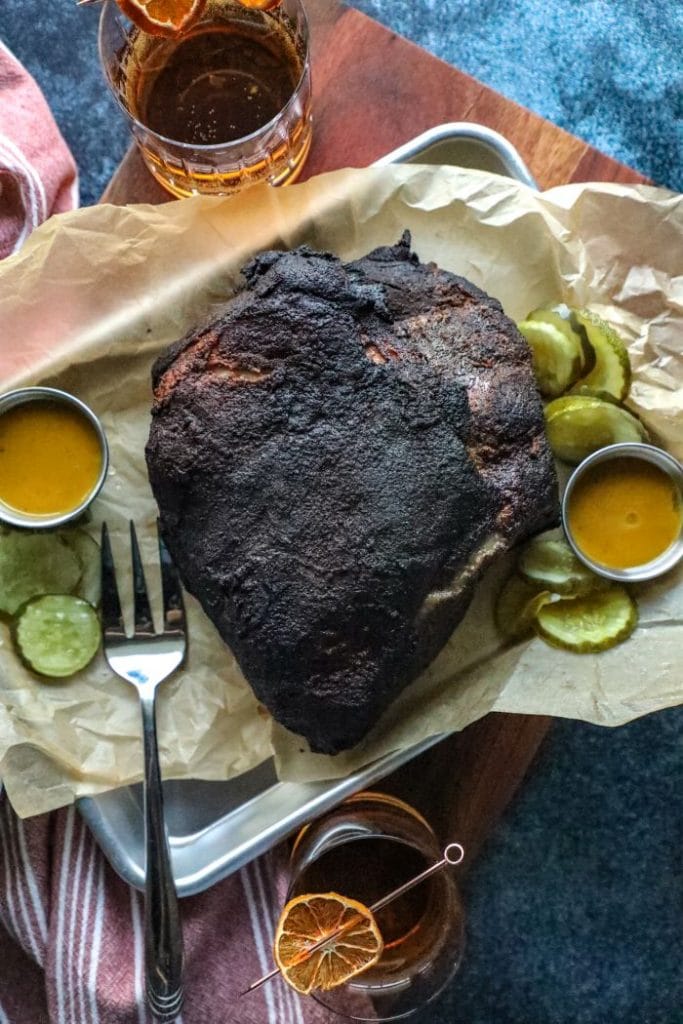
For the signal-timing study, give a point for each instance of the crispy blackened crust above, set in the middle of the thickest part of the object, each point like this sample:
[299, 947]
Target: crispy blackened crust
[336, 459]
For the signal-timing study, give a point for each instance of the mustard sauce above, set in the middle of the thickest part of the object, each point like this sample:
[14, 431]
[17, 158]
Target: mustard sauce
[50, 458]
[624, 512]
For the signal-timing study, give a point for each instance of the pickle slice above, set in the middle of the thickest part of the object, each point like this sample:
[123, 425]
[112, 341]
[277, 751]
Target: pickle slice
[561, 316]
[587, 625]
[612, 370]
[583, 391]
[87, 552]
[556, 356]
[548, 562]
[516, 607]
[33, 564]
[577, 425]
[57, 635]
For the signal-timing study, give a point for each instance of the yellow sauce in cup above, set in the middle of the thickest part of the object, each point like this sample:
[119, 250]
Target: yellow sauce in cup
[624, 512]
[50, 458]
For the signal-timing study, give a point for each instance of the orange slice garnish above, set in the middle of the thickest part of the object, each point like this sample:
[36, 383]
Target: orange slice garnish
[305, 921]
[261, 5]
[162, 17]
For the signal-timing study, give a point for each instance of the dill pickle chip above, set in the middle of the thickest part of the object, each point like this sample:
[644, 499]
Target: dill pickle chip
[589, 624]
[548, 562]
[33, 564]
[517, 605]
[562, 317]
[57, 635]
[612, 370]
[577, 426]
[556, 356]
[583, 391]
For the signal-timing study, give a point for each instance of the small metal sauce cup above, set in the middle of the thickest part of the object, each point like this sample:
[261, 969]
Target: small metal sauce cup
[648, 453]
[22, 396]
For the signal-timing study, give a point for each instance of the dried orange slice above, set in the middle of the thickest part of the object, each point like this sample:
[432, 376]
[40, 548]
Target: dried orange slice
[305, 921]
[261, 5]
[162, 17]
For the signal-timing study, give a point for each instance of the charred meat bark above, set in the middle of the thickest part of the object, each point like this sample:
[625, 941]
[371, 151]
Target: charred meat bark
[336, 460]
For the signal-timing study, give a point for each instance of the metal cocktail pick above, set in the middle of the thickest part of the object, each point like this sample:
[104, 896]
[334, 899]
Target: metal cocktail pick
[453, 855]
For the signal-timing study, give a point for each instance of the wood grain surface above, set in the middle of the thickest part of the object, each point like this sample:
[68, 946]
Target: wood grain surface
[373, 91]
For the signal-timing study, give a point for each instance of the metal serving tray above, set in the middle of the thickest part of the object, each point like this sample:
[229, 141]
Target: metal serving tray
[217, 827]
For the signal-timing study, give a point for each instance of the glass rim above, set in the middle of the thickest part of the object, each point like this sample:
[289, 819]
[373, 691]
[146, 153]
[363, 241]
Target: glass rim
[373, 797]
[213, 147]
[297, 869]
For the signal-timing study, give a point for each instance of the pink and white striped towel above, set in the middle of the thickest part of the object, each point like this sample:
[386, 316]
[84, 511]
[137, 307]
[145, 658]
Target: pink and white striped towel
[71, 941]
[38, 175]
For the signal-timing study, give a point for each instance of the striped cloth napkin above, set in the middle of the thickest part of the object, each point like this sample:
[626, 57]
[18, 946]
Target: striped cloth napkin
[71, 939]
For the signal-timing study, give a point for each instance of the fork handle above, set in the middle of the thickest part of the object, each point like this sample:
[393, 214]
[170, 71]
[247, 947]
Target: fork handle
[163, 934]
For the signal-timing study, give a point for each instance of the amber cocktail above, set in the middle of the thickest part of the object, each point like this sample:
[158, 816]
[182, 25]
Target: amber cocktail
[225, 104]
[370, 845]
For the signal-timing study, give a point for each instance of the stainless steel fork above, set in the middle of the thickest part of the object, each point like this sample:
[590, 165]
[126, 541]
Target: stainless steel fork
[145, 659]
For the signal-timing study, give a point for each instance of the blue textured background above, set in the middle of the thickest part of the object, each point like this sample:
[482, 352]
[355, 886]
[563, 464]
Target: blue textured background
[574, 909]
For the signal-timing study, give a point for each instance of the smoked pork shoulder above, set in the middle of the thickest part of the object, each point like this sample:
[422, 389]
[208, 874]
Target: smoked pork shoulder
[337, 458]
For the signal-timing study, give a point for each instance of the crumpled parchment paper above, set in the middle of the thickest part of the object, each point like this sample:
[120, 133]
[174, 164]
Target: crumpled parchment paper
[95, 294]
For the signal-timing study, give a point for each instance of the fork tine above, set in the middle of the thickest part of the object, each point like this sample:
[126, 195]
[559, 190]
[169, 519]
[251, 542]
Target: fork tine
[174, 608]
[144, 623]
[112, 619]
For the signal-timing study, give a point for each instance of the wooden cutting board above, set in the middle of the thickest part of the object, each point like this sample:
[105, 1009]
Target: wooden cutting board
[374, 91]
